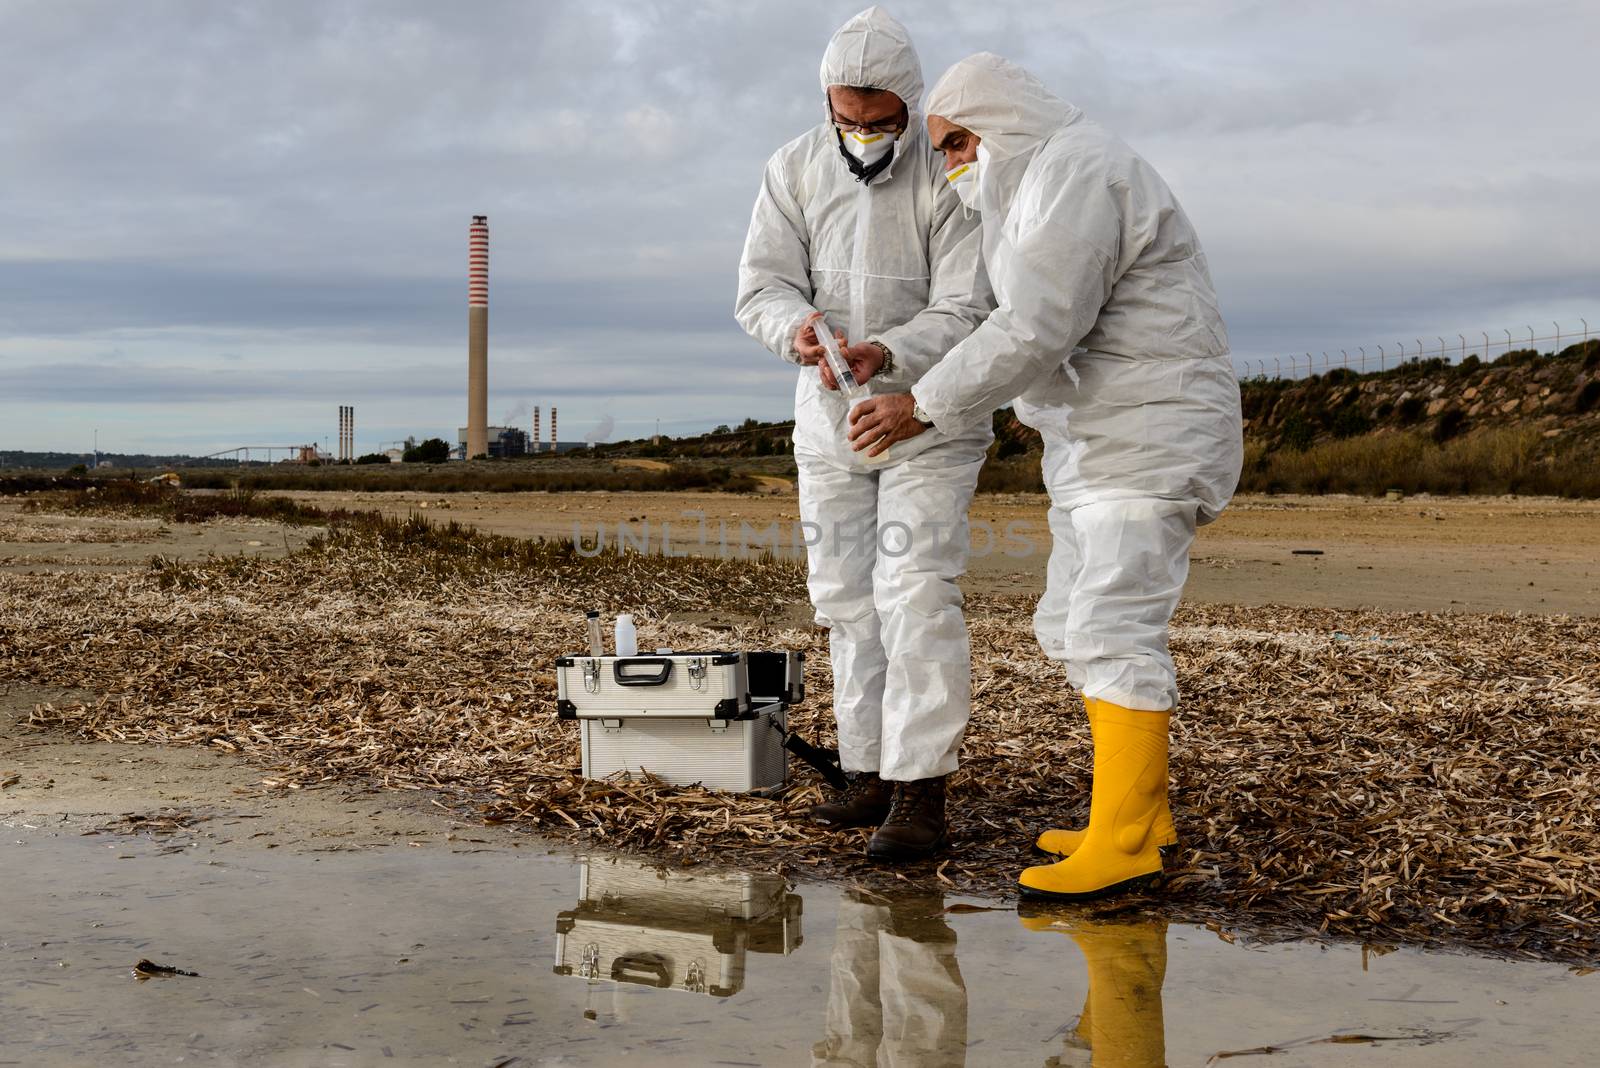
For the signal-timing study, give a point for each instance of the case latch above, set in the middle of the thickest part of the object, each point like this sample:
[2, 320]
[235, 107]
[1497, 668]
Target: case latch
[697, 672]
[591, 675]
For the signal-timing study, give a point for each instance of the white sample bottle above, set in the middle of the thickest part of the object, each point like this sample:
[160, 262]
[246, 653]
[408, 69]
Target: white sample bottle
[627, 637]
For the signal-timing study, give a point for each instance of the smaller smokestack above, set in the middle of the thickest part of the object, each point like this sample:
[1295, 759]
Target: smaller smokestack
[536, 428]
[553, 429]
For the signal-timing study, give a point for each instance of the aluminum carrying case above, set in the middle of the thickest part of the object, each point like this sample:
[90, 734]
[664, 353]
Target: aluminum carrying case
[636, 925]
[715, 685]
[713, 718]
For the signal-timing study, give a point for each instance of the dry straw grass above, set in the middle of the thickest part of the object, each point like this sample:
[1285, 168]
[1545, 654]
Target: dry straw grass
[1416, 778]
[48, 534]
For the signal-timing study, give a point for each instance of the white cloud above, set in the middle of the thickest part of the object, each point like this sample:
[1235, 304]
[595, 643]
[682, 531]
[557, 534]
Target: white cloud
[292, 182]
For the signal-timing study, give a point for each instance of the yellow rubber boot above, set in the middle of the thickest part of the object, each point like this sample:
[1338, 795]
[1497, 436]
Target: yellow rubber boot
[1119, 849]
[1061, 842]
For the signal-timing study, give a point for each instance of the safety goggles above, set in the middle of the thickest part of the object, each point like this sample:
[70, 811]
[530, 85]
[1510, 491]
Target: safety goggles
[893, 126]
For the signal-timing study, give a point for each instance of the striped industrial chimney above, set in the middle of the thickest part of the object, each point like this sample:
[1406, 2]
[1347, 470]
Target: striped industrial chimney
[347, 432]
[553, 429]
[478, 337]
[536, 444]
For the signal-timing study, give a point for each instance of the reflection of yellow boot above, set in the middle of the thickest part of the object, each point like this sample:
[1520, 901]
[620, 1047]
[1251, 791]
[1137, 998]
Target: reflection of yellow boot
[1063, 843]
[1122, 1024]
[1122, 1017]
[1119, 849]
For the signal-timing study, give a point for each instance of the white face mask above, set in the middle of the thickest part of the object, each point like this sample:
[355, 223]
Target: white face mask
[869, 148]
[964, 180]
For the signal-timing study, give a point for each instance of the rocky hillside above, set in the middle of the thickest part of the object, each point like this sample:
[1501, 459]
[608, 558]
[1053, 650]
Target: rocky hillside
[1527, 423]
[1557, 394]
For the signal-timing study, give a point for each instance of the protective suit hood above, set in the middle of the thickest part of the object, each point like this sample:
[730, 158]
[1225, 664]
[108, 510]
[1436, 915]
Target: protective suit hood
[1008, 108]
[873, 51]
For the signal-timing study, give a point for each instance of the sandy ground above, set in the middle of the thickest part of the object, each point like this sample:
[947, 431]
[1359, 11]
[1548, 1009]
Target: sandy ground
[1425, 554]
[49, 780]
[1505, 554]
[32, 543]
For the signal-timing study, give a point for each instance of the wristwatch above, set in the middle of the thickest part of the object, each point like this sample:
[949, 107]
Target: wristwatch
[888, 357]
[919, 414]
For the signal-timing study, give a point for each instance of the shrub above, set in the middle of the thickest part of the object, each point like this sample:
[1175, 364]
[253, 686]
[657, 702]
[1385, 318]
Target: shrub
[1588, 396]
[1409, 410]
[124, 497]
[373, 458]
[1350, 423]
[1451, 421]
[1018, 475]
[1518, 357]
[1580, 350]
[432, 451]
[1298, 433]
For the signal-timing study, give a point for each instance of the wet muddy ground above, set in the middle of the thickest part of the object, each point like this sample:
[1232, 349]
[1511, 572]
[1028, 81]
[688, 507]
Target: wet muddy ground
[342, 927]
[437, 955]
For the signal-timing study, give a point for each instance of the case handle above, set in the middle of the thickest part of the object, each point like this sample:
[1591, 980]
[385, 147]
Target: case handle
[663, 672]
[646, 969]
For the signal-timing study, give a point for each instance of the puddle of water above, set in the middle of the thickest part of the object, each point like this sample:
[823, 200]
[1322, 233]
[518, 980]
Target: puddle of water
[521, 957]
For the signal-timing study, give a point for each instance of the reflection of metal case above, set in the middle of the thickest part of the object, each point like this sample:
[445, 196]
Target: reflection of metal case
[687, 718]
[636, 925]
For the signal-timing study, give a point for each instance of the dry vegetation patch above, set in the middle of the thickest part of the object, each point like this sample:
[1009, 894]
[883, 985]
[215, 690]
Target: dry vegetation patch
[1383, 776]
[49, 534]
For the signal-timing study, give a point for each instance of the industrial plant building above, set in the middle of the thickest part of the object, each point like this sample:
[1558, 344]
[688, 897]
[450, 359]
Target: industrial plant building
[502, 441]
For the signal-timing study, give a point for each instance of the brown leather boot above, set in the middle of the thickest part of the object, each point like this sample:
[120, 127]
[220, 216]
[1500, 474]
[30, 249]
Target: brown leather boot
[914, 828]
[864, 803]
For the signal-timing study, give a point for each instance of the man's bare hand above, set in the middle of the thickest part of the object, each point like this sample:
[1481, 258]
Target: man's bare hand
[864, 359]
[879, 422]
[808, 348]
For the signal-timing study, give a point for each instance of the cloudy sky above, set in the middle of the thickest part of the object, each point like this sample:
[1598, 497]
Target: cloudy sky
[218, 222]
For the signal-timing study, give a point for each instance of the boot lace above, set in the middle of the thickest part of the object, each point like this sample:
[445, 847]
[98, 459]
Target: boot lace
[859, 786]
[911, 800]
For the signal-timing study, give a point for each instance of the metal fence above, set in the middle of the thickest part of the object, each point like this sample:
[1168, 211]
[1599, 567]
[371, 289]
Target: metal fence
[1487, 346]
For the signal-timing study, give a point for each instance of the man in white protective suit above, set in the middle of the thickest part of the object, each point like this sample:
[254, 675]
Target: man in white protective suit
[1107, 333]
[856, 221]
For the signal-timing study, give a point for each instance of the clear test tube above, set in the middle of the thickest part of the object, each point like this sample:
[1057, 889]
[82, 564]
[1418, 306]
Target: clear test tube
[842, 374]
[854, 393]
[596, 646]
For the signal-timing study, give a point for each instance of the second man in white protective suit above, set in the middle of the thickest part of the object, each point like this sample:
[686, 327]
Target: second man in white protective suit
[1106, 331]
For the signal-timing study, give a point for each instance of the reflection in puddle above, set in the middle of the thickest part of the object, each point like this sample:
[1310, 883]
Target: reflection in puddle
[518, 957]
[896, 995]
[649, 927]
[1122, 1025]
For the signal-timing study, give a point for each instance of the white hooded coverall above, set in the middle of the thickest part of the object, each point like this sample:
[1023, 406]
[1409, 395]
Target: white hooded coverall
[895, 260]
[1107, 332]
